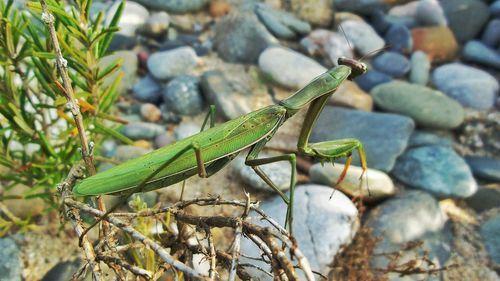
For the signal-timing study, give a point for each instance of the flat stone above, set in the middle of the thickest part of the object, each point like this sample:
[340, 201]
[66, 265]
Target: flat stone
[477, 52]
[175, 6]
[371, 129]
[289, 68]
[147, 90]
[465, 18]
[168, 64]
[391, 63]
[371, 79]
[348, 94]
[470, 86]
[375, 185]
[11, 265]
[489, 231]
[425, 39]
[484, 168]
[362, 36]
[280, 23]
[321, 226]
[326, 43]
[436, 169]
[486, 198]
[142, 130]
[128, 152]
[182, 95]
[424, 138]
[427, 107]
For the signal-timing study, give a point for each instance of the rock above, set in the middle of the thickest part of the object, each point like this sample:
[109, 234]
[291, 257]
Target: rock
[425, 138]
[392, 63]
[11, 265]
[465, 18]
[371, 129]
[374, 186]
[427, 107]
[289, 68]
[186, 130]
[399, 38]
[37, 206]
[147, 90]
[436, 169]
[430, 13]
[484, 199]
[317, 12]
[168, 64]
[425, 38]
[163, 140]
[489, 231]
[364, 7]
[495, 8]
[321, 42]
[128, 69]
[404, 9]
[371, 79]
[491, 34]
[476, 51]
[182, 95]
[362, 36]
[133, 16]
[278, 172]
[470, 86]
[62, 271]
[122, 42]
[230, 98]
[379, 21]
[142, 130]
[406, 217]
[150, 112]
[128, 152]
[108, 148]
[348, 94]
[240, 38]
[484, 168]
[175, 6]
[321, 226]
[156, 25]
[280, 23]
[420, 67]
[219, 8]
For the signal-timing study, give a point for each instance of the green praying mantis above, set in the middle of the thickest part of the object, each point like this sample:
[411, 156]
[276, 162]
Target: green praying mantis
[210, 150]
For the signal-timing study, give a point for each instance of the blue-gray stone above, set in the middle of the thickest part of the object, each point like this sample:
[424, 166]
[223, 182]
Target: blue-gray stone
[436, 169]
[495, 8]
[392, 63]
[147, 90]
[175, 6]
[420, 68]
[371, 79]
[379, 21]
[427, 107]
[363, 37]
[282, 24]
[129, 66]
[364, 7]
[168, 64]
[62, 271]
[476, 51]
[424, 138]
[430, 13]
[470, 86]
[186, 130]
[486, 198]
[465, 18]
[491, 34]
[11, 265]
[142, 130]
[489, 231]
[128, 152]
[399, 38]
[484, 168]
[371, 129]
[182, 95]
[240, 37]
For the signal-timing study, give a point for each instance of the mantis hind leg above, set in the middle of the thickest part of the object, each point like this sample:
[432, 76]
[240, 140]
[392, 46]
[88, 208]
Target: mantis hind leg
[253, 162]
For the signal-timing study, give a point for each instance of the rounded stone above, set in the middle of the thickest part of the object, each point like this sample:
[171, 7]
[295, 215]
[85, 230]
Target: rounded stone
[147, 90]
[183, 96]
[317, 12]
[11, 265]
[362, 36]
[477, 52]
[321, 225]
[348, 94]
[489, 231]
[175, 6]
[420, 67]
[392, 63]
[289, 68]
[168, 64]
[186, 130]
[142, 130]
[150, 112]
[491, 34]
[371, 79]
[322, 42]
[282, 24]
[133, 16]
[436, 169]
[375, 185]
[470, 86]
[399, 38]
[465, 18]
[425, 38]
[427, 107]
[484, 168]
[128, 152]
[279, 173]
[430, 13]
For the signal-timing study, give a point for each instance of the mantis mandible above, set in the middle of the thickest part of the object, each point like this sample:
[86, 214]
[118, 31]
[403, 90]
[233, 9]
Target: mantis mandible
[210, 150]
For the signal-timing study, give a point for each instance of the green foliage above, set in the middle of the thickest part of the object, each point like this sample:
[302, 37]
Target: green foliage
[38, 139]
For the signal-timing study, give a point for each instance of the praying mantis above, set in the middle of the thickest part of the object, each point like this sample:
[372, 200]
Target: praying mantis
[210, 150]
